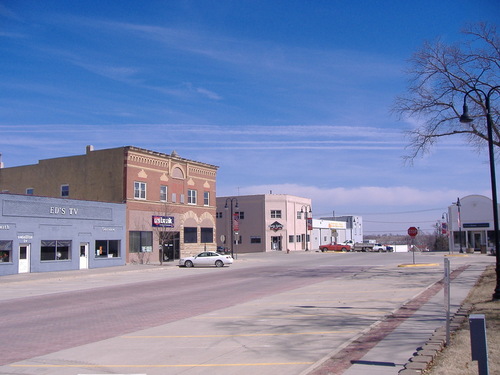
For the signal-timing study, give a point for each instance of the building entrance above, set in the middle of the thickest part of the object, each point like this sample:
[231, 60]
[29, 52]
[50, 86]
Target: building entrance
[171, 248]
[276, 243]
[24, 258]
[84, 255]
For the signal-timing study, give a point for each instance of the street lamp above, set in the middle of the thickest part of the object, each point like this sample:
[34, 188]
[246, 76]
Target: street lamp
[466, 118]
[231, 201]
[307, 224]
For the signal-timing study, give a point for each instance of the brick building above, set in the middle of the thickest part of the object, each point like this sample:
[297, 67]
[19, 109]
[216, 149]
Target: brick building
[170, 201]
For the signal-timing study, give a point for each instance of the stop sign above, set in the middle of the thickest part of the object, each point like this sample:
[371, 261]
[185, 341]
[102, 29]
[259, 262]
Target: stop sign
[412, 231]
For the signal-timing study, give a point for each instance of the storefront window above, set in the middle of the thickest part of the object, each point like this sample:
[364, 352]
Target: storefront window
[140, 242]
[107, 249]
[207, 235]
[5, 251]
[190, 235]
[55, 250]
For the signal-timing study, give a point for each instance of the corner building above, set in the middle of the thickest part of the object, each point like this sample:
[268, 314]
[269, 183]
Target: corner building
[262, 223]
[170, 201]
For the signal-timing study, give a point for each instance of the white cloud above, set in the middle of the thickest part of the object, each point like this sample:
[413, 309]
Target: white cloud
[360, 199]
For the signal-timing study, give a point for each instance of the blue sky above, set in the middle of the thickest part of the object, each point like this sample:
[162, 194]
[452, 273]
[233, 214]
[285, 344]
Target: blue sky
[292, 97]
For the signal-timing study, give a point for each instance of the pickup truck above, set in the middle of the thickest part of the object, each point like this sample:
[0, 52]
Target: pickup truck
[378, 247]
[335, 247]
[359, 246]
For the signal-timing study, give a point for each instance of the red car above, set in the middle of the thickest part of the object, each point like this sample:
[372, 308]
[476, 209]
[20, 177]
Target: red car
[335, 247]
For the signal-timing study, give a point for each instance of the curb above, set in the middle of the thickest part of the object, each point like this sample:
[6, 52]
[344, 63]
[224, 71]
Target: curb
[425, 354]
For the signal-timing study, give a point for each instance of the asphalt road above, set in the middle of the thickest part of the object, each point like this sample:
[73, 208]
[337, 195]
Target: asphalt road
[268, 313]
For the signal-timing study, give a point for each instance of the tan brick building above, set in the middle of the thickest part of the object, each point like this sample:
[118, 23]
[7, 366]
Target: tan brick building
[170, 201]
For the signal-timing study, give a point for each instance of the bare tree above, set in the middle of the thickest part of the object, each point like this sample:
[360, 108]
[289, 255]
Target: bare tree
[441, 75]
[165, 230]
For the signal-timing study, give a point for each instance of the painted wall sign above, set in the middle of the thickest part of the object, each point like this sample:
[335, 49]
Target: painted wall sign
[50, 210]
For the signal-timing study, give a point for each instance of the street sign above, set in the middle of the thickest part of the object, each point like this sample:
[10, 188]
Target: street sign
[412, 231]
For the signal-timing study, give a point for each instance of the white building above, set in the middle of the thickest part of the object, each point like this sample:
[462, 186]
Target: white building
[344, 228]
[328, 231]
[471, 217]
[266, 222]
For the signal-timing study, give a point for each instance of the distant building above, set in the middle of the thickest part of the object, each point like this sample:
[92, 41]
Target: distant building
[267, 222]
[170, 201]
[40, 234]
[328, 231]
[473, 221]
[351, 230]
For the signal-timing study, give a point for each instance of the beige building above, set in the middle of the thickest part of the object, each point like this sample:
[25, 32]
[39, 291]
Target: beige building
[170, 201]
[267, 222]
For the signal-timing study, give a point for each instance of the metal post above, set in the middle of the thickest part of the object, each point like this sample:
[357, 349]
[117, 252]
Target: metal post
[496, 294]
[459, 225]
[307, 224]
[231, 218]
[489, 121]
[447, 297]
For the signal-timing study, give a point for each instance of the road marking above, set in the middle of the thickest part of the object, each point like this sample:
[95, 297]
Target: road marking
[237, 335]
[165, 366]
[419, 265]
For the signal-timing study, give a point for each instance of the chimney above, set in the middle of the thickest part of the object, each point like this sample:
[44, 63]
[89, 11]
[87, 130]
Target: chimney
[1, 162]
[90, 148]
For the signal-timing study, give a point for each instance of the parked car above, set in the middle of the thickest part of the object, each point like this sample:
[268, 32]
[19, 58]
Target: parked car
[382, 248]
[335, 247]
[206, 259]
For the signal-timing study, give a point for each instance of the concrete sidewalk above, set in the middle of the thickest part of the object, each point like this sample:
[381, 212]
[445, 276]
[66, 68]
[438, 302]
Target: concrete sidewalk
[394, 344]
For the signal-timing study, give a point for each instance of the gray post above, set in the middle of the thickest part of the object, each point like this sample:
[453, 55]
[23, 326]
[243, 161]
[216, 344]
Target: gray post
[479, 346]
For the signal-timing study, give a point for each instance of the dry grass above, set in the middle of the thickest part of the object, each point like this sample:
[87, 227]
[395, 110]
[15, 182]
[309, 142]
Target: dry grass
[456, 358]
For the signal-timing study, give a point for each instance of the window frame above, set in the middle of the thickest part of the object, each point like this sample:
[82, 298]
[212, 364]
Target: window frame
[144, 239]
[111, 247]
[140, 189]
[163, 193]
[6, 247]
[190, 235]
[207, 235]
[65, 190]
[206, 198]
[192, 197]
[275, 214]
[61, 253]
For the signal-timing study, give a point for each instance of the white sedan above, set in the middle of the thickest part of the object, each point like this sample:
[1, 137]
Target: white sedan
[206, 258]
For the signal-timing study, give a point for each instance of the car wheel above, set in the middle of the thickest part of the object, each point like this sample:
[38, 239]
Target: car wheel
[188, 264]
[219, 263]
[323, 250]
[344, 249]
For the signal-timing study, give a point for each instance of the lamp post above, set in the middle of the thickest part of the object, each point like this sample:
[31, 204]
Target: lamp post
[231, 201]
[466, 118]
[307, 224]
[445, 216]
[459, 225]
